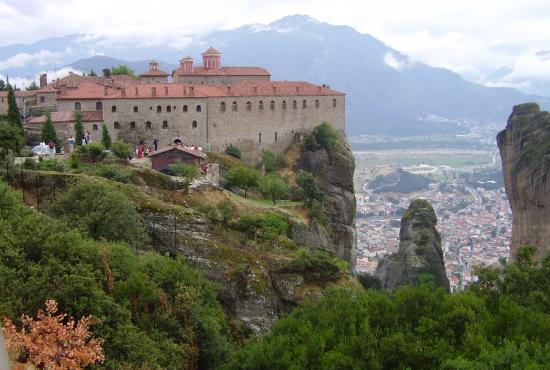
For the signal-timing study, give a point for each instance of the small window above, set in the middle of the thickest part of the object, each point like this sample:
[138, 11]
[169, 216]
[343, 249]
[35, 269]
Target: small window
[261, 105]
[185, 108]
[164, 124]
[77, 106]
[334, 103]
[199, 109]
[275, 136]
[234, 106]
[113, 108]
[304, 104]
[260, 137]
[272, 105]
[248, 106]
[222, 106]
[159, 109]
[98, 105]
[136, 109]
[94, 127]
[316, 103]
[42, 99]
[168, 108]
[283, 104]
[294, 104]
[132, 125]
[194, 124]
[116, 125]
[148, 125]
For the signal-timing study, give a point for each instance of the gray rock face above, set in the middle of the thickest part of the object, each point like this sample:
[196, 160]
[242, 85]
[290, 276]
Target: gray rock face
[525, 152]
[419, 250]
[334, 170]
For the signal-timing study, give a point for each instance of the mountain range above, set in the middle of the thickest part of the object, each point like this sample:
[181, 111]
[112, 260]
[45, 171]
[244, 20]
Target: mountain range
[387, 93]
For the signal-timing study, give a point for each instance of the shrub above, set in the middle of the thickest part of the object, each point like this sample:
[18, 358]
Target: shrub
[233, 151]
[325, 135]
[95, 152]
[318, 213]
[243, 177]
[309, 188]
[11, 140]
[316, 265]
[74, 162]
[114, 173]
[226, 211]
[122, 150]
[273, 187]
[273, 162]
[269, 225]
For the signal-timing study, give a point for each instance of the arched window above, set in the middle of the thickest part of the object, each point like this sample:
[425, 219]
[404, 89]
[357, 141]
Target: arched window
[261, 105]
[148, 125]
[294, 104]
[248, 106]
[98, 105]
[94, 127]
[164, 124]
[77, 106]
[284, 104]
[199, 109]
[113, 108]
[334, 103]
[316, 103]
[185, 108]
[116, 125]
[272, 105]
[304, 104]
[159, 109]
[222, 106]
[168, 108]
[132, 125]
[136, 109]
[194, 124]
[234, 106]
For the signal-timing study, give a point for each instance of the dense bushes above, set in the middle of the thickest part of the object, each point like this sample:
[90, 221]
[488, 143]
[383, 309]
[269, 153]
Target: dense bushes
[233, 151]
[316, 265]
[114, 173]
[152, 311]
[268, 225]
[323, 137]
[501, 323]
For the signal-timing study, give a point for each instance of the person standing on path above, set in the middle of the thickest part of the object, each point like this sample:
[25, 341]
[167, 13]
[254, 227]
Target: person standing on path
[156, 144]
[71, 143]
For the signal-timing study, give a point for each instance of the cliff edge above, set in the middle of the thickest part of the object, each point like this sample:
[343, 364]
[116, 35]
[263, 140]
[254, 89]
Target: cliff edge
[525, 152]
[419, 250]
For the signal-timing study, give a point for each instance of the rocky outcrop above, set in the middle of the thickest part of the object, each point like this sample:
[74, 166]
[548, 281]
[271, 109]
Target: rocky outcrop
[419, 250]
[334, 169]
[525, 152]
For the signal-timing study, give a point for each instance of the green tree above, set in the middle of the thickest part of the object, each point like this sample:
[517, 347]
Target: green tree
[11, 140]
[122, 69]
[3, 86]
[122, 150]
[78, 128]
[14, 116]
[32, 86]
[48, 133]
[226, 211]
[105, 137]
[273, 186]
[243, 177]
[325, 135]
[187, 171]
[233, 151]
[309, 188]
[95, 151]
[269, 160]
[92, 73]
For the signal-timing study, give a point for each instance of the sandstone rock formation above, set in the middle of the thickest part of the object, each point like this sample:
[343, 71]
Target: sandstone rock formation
[525, 151]
[419, 250]
[334, 169]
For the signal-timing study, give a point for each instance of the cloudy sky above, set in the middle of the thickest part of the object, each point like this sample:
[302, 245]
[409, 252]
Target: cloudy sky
[471, 37]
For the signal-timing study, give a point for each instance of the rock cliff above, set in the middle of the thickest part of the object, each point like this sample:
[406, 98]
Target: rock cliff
[419, 250]
[334, 169]
[525, 151]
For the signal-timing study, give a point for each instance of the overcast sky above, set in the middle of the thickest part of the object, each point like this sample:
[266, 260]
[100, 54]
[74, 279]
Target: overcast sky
[471, 37]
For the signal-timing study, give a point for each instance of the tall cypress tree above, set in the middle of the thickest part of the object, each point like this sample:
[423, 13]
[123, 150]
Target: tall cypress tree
[14, 116]
[48, 130]
[105, 137]
[78, 128]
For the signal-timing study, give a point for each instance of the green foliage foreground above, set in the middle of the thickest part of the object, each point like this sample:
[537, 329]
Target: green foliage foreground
[152, 311]
[501, 323]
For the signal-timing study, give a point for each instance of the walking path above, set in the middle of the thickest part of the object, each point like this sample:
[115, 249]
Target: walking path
[4, 359]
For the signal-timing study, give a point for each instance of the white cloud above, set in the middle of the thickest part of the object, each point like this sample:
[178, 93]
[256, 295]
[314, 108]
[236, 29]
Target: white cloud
[22, 82]
[396, 62]
[43, 57]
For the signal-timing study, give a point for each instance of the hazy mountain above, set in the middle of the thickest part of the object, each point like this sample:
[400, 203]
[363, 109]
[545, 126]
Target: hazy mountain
[98, 62]
[386, 93]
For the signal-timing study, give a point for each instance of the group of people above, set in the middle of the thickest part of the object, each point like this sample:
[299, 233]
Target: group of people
[86, 139]
[143, 150]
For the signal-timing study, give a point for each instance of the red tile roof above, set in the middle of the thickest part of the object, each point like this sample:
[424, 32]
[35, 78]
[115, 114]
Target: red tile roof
[223, 71]
[181, 148]
[154, 73]
[68, 116]
[19, 93]
[210, 51]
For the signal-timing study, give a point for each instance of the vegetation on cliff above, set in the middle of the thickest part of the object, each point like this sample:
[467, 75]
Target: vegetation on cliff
[502, 322]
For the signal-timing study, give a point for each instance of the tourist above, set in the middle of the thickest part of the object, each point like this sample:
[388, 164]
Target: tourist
[88, 137]
[146, 150]
[156, 144]
[51, 146]
[140, 151]
[84, 140]
[71, 143]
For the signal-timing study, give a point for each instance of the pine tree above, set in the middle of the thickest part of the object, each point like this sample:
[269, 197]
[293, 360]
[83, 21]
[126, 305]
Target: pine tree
[3, 86]
[92, 73]
[105, 137]
[78, 128]
[14, 116]
[32, 86]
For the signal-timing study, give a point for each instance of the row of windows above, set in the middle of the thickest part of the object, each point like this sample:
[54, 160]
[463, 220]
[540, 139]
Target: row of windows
[168, 108]
[248, 105]
[148, 125]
